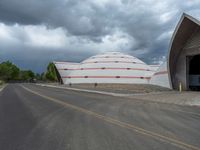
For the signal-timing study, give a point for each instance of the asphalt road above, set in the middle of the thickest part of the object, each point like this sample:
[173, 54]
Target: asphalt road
[40, 118]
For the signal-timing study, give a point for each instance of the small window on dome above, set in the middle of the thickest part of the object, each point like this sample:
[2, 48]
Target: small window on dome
[117, 76]
[128, 68]
[86, 76]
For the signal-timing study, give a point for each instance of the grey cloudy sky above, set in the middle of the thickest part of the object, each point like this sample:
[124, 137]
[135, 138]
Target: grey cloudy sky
[34, 32]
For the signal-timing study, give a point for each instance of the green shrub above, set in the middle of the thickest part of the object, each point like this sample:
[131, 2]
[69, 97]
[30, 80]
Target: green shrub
[1, 82]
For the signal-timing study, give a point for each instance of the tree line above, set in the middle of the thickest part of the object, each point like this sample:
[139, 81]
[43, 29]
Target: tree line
[10, 72]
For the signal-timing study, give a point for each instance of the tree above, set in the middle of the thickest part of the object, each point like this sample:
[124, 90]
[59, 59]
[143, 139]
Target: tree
[38, 76]
[9, 71]
[51, 73]
[26, 75]
[43, 76]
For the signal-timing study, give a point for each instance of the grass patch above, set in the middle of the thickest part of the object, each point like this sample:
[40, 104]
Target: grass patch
[1, 82]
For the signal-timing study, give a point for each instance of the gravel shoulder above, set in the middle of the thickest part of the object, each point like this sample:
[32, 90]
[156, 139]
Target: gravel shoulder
[119, 88]
[175, 97]
[2, 86]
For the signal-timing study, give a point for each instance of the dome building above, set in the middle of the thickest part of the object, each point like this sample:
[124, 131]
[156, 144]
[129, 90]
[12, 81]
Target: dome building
[110, 67]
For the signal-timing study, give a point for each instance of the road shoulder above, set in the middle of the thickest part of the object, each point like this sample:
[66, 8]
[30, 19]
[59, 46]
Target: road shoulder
[2, 87]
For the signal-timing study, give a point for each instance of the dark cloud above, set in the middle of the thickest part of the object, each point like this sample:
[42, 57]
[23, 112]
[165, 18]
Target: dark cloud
[38, 58]
[78, 17]
[139, 27]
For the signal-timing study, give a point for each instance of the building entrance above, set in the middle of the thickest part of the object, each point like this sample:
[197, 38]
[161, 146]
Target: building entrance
[194, 73]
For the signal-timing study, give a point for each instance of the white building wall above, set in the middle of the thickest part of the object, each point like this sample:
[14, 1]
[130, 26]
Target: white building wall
[65, 68]
[106, 80]
[161, 77]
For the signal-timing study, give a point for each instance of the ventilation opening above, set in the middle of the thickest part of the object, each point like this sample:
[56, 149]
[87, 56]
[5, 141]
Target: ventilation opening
[194, 73]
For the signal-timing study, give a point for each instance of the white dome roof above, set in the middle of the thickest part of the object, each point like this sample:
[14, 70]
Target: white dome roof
[110, 67]
[112, 57]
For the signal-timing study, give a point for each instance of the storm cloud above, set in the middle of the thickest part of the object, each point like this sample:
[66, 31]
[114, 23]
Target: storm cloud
[34, 32]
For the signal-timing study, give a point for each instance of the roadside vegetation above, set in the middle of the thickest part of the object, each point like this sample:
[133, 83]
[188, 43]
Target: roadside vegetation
[9, 72]
[1, 83]
[51, 73]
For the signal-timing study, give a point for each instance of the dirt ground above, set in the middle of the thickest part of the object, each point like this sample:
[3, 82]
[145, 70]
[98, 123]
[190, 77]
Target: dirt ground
[121, 88]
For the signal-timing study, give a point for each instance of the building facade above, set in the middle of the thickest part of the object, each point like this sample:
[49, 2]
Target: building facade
[182, 67]
[184, 54]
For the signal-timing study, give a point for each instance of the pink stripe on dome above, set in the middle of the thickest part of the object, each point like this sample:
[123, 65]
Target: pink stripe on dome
[105, 68]
[113, 62]
[127, 77]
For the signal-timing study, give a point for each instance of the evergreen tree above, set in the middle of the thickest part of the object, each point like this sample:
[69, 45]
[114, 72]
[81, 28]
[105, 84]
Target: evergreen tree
[51, 73]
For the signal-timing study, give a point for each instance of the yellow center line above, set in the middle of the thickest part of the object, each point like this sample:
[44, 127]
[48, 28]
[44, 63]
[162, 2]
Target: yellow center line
[132, 127]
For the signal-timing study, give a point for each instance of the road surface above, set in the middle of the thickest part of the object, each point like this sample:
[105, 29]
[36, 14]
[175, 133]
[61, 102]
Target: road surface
[41, 118]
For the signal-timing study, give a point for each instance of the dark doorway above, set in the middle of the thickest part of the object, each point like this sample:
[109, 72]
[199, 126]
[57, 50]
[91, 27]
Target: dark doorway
[194, 73]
